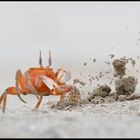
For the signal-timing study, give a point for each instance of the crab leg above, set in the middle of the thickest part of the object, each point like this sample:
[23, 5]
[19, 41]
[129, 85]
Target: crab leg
[1, 98]
[10, 90]
[20, 82]
[61, 101]
[4, 102]
[30, 86]
[38, 103]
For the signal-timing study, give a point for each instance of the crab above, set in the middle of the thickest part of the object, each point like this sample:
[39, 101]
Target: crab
[40, 81]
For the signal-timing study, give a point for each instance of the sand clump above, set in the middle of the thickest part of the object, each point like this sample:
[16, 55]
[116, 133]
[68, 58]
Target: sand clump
[119, 67]
[101, 90]
[126, 85]
[74, 96]
[71, 100]
[101, 94]
[75, 81]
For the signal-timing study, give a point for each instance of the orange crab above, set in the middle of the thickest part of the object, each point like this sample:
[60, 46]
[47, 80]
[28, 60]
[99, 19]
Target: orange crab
[41, 81]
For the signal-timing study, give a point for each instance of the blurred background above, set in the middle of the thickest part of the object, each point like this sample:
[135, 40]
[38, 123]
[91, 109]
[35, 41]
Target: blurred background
[75, 32]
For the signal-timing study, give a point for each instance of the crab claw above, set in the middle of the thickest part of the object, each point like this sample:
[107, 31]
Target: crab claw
[64, 88]
[62, 75]
[54, 87]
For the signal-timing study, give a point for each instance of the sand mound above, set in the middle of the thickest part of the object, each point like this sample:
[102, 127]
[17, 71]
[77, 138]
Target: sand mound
[71, 100]
[126, 86]
[119, 67]
[101, 90]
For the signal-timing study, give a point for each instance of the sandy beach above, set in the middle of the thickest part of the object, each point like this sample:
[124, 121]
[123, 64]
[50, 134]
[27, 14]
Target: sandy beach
[119, 119]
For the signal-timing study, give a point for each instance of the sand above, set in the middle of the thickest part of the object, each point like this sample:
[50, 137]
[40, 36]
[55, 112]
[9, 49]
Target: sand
[102, 113]
[118, 119]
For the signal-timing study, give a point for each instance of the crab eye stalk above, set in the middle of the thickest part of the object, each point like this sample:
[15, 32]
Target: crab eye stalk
[40, 59]
[50, 59]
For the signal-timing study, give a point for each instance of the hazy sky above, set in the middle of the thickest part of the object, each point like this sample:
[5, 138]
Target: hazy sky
[73, 31]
